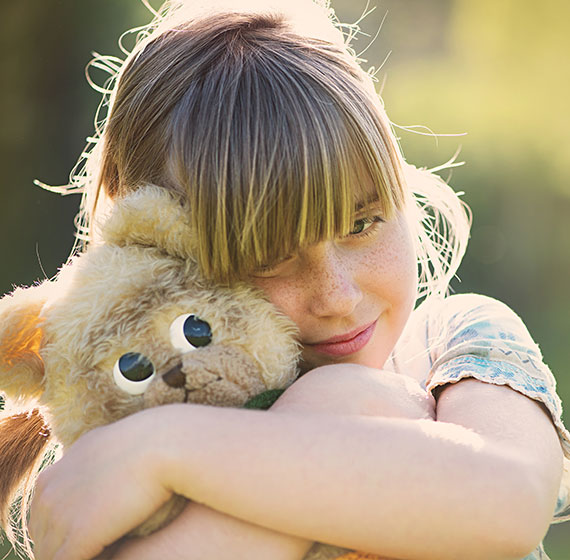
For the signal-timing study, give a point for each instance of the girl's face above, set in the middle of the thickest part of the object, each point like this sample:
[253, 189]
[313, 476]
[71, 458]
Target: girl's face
[351, 296]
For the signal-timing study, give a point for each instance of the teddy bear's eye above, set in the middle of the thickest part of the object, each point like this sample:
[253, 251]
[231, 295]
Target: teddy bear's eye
[133, 373]
[188, 332]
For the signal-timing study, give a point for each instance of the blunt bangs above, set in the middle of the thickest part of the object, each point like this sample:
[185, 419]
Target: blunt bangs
[272, 142]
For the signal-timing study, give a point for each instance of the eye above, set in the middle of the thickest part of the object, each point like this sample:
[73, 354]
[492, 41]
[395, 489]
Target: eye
[188, 332]
[133, 373]
[363, 225]
[359, 226]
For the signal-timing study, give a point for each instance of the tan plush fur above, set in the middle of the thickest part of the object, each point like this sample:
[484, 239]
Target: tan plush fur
[60, 341]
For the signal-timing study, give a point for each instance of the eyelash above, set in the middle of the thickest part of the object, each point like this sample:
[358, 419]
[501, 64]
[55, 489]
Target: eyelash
[268, 269]
[369, 221]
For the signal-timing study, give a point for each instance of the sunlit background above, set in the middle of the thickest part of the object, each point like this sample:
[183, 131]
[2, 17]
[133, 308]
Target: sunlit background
[497, 70]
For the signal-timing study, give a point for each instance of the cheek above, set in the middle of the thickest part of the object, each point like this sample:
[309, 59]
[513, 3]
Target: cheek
[391, 268]
[283, 294]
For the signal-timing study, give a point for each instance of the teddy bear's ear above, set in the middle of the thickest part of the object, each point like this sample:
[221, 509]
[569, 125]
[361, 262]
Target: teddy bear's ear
[21, 367]
[151, 216]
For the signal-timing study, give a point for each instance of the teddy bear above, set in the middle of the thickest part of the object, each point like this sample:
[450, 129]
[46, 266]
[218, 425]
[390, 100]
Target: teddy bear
[127, 325]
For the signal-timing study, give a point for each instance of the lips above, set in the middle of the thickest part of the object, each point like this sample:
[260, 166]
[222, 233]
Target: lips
[345, 344]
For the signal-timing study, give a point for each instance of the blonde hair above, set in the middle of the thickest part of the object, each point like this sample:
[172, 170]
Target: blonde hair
[265, 127]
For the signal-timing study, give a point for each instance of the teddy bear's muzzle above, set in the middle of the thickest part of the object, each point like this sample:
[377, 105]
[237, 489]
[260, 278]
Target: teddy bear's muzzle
[218, 375]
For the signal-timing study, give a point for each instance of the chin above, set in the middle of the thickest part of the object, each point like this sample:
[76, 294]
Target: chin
[359, 358]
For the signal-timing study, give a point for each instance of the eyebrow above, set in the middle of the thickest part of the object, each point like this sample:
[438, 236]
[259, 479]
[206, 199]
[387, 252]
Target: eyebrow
[373, 199]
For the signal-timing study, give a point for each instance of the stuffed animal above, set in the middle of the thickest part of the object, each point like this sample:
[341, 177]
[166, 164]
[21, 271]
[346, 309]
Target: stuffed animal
[127, 325]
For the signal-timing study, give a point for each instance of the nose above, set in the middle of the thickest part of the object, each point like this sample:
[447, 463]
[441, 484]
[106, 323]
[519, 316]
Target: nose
[174, 378]
[335, 289]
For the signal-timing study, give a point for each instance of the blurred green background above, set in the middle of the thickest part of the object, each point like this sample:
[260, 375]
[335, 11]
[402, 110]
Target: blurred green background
[497, 70]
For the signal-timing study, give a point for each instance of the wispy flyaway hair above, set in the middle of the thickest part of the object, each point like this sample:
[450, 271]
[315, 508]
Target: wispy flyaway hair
[266, 127]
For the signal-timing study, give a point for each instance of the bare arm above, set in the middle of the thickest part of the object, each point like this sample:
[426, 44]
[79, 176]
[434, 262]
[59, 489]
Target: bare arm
[452, 488]
[462, 487]
[524, 430]
[421, 489]
[201, 532]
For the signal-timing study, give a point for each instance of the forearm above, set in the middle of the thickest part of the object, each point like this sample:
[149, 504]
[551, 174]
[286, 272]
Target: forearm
[311, 474]
[200, 532]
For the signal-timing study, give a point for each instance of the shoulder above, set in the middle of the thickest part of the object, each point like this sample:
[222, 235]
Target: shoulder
[440, 323]
[436, 313]
[488, 327]
[474, 336]
[437, 323]
[462, 307]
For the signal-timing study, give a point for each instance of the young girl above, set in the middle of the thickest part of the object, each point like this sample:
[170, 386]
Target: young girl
[422, 432]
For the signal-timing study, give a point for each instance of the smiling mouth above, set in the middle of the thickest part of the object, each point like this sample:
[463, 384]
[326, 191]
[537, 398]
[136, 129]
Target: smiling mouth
[345, 344]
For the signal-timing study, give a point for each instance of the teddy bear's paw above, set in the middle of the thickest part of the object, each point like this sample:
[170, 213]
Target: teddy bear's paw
[321, 551]
[161, 517]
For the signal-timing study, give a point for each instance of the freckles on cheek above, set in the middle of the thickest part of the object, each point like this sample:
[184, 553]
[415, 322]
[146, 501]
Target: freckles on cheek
[393, 263]
[280, 293]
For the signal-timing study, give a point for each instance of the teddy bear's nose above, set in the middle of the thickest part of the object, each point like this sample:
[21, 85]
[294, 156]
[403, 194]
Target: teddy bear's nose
[174, 378]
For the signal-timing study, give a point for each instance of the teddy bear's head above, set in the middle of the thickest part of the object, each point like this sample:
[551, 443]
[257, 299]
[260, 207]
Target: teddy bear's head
[131, 324]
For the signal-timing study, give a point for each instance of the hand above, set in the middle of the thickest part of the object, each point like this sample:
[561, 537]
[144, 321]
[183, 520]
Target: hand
[106, 484]
[359, 390]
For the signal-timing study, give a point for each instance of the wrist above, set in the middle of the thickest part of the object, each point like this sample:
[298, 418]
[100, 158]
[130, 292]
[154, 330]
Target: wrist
[163, 436]
[183, 437]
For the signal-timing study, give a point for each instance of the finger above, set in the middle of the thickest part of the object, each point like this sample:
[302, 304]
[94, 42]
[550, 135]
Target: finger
[51, 519]
[38, 529]
[46, 536]
[73, 550]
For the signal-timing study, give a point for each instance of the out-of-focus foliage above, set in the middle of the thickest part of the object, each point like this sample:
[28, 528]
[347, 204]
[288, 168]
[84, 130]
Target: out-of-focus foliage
[495, 69]
[47, 111]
